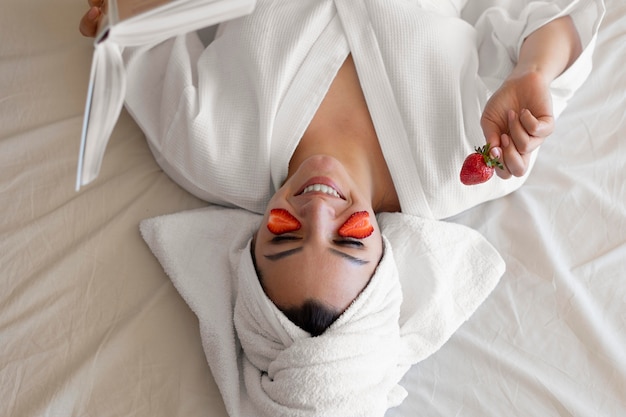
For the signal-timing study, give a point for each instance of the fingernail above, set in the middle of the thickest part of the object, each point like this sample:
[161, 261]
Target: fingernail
[495, 153]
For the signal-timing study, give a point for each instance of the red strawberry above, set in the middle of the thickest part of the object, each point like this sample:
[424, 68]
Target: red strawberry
[357, 226]
[479, 166]
[281, 221]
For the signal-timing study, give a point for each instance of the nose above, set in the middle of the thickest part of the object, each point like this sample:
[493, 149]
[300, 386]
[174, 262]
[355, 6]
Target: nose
[316, 208]
[319, 216]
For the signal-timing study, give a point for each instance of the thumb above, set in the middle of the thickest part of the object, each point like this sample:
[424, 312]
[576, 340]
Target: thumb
[493, 138]
[492, 134]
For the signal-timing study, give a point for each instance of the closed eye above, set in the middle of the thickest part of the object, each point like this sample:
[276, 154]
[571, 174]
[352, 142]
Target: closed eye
[347, 243]
[351, 243]
[284, 238]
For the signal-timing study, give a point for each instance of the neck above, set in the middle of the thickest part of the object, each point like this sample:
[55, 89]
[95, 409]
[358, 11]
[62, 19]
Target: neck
[342, 128]
[362, 158]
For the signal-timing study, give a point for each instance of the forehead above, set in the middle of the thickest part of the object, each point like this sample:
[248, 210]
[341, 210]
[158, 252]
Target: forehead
[317, 273]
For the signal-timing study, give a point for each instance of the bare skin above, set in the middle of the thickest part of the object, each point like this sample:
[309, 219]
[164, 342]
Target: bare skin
[89, 22]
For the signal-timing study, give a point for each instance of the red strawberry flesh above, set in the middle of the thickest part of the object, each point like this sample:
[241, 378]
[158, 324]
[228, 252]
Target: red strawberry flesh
[357, 226]
[281, 221]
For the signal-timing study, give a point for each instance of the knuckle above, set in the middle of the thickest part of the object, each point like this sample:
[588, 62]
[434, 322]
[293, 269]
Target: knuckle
[533, 129]
[524, 147]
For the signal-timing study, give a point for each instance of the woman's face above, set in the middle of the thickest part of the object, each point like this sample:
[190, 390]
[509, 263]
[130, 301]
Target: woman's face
[311, 244]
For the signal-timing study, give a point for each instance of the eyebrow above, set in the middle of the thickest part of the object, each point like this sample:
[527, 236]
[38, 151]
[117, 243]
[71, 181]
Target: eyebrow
[284, 254]
[353, 259]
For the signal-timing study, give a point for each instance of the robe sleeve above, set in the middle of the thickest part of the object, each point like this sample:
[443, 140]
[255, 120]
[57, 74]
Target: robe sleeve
[502, 26]
[183, 96]
[162, 85]
[163, 96]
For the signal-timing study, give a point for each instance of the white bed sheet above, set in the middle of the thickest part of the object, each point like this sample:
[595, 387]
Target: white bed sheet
[91, 326]
[551, 339]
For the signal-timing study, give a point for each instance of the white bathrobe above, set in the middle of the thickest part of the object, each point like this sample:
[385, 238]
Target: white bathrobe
[224, 120]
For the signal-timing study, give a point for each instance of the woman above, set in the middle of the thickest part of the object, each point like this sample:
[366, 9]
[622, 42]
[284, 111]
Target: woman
[322, 114]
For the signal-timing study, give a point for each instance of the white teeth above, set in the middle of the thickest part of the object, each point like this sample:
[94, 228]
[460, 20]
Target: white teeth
[322, 189]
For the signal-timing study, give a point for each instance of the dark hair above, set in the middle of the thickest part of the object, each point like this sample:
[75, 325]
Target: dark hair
[312, 316]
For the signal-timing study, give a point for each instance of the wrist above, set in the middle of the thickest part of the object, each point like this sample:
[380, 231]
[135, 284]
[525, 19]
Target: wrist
[550, 50]
[543, 73]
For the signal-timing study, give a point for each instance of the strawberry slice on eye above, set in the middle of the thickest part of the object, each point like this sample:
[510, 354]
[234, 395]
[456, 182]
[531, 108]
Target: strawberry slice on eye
[281, 221]
[357, 226]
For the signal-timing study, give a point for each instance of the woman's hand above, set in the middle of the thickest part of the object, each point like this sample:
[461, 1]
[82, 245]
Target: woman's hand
[517, 119]
[89, 22]
[519, 116]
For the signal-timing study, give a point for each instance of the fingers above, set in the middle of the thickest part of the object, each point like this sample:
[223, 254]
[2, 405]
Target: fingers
[526, 134]
[537, 127]
[515, 163]
[89, 23]
[498, 152]
[521, 139]
[514, 137]
[514, 145]
[492, 133]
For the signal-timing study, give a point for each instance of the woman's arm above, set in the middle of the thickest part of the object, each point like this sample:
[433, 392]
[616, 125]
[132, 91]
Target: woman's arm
[519, 116]
[550, 50]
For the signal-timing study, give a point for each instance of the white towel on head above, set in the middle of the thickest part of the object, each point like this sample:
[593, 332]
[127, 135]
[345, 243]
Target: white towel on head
[352, 369]
[445, 272]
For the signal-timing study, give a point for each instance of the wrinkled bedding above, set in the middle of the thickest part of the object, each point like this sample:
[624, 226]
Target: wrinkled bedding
[90, 325]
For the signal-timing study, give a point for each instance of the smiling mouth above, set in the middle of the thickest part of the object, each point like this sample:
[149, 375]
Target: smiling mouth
[321, 188]
[321, 185]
